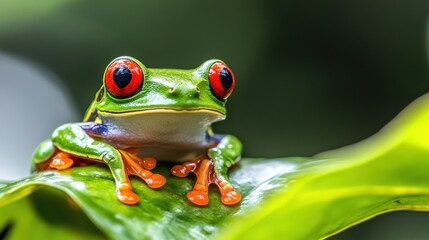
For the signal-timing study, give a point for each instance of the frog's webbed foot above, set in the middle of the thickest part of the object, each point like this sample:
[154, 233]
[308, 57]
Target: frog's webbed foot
[203, 168]
[141, 167]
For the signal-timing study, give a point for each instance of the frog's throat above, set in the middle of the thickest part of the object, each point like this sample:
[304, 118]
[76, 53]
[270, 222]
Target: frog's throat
[161, 110]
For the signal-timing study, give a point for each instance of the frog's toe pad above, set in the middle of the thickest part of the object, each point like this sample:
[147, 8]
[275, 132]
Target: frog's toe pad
[179, 171]
[230, 198]
[127, 196]
[198, 197]
[148, 162]
[61, 161]
[156, 181]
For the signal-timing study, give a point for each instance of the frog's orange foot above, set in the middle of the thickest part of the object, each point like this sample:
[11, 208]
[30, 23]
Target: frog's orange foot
[125, 194]
[140, 167]
[203, 168]
[61, 161]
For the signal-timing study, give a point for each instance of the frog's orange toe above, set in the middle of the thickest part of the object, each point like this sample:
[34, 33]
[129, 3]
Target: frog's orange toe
[179, 171]
[148, 162]
[127, 196]
[61, 161]
[198, 197]
[156, 181]
[230, 198]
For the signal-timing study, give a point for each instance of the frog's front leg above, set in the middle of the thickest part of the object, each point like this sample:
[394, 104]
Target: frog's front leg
[80, 141]
[213, 168]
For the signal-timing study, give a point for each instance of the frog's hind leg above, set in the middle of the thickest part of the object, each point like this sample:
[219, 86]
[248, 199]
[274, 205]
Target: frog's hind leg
[85, 147]
[47, 156]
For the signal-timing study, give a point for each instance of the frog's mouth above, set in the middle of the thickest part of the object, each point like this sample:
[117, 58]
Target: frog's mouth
[208, 111]
[166, 127]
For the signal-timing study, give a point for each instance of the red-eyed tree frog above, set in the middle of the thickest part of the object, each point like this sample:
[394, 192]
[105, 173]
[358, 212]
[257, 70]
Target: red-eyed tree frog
[141, 115]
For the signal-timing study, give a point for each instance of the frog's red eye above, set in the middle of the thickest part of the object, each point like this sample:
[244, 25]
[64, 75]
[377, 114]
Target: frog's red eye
[222, 80]
[123, 78]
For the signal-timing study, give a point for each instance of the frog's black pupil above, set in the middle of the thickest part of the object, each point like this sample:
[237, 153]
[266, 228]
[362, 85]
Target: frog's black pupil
[225, 79]
[122, 77]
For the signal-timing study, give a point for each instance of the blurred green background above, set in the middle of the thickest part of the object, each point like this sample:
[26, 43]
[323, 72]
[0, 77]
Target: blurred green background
[311, 75]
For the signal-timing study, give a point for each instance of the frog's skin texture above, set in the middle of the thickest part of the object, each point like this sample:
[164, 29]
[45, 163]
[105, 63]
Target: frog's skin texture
[141, 115]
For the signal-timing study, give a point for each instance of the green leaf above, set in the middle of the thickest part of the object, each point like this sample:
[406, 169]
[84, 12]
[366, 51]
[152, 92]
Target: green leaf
[288, 198]
[41, 216]
[164, 213]
[387, 172]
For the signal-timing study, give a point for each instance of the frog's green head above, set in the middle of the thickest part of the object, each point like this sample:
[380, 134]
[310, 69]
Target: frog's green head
[130, 88]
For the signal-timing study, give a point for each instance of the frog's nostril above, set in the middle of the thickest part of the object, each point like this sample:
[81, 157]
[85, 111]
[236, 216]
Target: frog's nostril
[195, 93]
[186, 92]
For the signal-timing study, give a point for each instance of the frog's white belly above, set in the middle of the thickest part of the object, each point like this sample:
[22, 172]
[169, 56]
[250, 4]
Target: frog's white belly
[165, 135]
